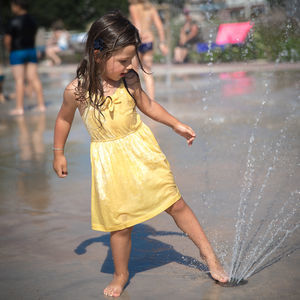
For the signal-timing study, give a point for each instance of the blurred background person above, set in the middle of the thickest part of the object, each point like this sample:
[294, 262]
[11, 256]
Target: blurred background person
[143, 15]
[187, 39]
[58, 42]
[19, 40]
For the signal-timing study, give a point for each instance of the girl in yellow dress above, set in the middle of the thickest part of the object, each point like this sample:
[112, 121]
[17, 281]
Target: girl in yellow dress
[131, 178]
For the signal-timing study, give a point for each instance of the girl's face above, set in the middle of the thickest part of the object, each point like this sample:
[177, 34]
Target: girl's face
[120, 63]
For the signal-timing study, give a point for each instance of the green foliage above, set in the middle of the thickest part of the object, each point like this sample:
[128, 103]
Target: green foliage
[280, 45]
[76, 14]
[277, 2]
[176, 3]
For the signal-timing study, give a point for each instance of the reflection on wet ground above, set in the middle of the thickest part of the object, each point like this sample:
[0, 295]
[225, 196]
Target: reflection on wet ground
[47, 248]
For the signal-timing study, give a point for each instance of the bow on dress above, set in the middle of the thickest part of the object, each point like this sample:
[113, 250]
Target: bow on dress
[110, 103]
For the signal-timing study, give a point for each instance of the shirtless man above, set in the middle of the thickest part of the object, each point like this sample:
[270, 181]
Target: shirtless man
[144, 15]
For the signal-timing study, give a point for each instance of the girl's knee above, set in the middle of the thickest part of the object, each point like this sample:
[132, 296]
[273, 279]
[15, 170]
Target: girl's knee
[123, 232]
[176, 207]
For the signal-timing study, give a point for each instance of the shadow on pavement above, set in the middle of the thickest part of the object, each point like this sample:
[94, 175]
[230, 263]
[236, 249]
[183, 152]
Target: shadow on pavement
[147, 253]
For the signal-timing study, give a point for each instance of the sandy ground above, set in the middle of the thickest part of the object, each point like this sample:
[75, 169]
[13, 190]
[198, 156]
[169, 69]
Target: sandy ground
[48, 250]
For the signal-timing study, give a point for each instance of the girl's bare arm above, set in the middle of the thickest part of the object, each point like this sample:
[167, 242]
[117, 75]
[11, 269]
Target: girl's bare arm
[62, 128]
[156, 112]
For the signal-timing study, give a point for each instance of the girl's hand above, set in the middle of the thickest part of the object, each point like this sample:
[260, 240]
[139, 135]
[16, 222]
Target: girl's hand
[60, 165]
[185, 131]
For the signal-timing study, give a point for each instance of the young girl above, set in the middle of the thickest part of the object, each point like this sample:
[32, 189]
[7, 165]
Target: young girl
[131, 178]
[58, 42]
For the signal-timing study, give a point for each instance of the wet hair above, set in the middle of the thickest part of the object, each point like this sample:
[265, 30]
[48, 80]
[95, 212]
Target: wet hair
[108, 34]
[22, 3]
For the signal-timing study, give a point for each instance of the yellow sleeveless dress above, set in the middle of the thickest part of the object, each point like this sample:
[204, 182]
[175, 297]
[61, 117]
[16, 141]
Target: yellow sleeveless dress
[131, 177]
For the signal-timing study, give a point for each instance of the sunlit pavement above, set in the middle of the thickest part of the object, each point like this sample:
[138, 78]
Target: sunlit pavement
[48, 250]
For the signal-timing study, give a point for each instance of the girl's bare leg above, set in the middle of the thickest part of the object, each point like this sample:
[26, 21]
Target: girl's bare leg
[120, 242]
[188, 223]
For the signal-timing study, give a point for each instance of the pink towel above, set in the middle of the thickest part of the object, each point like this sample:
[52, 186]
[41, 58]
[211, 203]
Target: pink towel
[233, 33]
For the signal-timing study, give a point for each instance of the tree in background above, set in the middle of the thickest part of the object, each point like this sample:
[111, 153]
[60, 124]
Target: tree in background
[76, 14]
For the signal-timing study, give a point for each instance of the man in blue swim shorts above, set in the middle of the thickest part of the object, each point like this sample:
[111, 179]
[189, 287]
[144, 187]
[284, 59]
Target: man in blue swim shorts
[144, 15]
[19, 40]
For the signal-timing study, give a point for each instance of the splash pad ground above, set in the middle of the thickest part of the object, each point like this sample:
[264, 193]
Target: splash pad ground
[48, 250]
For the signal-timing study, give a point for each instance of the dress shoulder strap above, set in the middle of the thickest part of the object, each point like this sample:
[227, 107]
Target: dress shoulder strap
[126, 86]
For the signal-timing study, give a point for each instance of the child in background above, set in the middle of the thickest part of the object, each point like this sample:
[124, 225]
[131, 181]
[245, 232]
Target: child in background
[131, 177]
[58, 42]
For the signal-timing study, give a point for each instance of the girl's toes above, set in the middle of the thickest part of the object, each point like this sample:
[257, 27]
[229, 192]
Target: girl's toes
[221, 278]
[115, 293]
[106, 292]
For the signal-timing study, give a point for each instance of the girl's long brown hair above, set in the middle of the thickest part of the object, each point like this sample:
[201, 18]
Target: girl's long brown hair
[114, 32]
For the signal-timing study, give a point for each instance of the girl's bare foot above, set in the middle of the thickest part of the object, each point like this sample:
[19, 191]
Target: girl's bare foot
[16, 112]
[216, 270]
[115, 288]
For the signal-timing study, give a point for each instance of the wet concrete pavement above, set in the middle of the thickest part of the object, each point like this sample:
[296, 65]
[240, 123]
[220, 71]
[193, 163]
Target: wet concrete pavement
[48, 250]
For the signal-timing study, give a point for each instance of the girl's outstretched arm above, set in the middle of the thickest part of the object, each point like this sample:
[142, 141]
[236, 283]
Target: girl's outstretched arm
[155, 111]
[62, 128]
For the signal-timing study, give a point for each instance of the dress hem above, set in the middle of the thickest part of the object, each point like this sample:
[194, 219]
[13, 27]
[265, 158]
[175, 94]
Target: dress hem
[138, 220]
